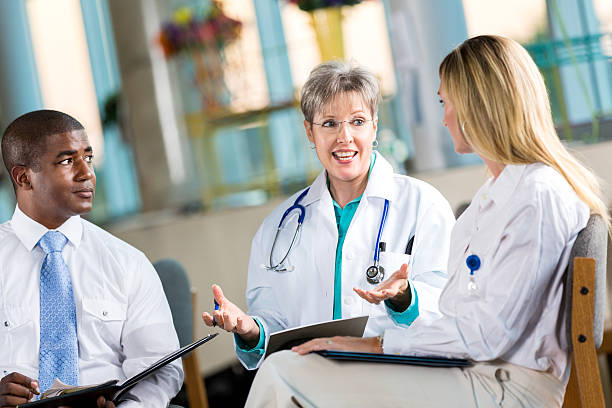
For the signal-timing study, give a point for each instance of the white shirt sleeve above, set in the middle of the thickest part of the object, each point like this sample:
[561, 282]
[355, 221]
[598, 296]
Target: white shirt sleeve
[515, 276]
[148, 335]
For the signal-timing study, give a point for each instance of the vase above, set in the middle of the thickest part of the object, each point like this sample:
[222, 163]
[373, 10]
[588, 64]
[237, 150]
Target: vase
[209, 78]
[327, 24]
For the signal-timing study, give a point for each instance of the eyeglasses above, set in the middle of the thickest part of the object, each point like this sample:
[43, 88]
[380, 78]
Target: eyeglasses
[333, 127]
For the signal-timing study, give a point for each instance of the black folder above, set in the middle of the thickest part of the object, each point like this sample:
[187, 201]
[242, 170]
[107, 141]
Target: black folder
[111, 390]
[429, 361]
[285, 339]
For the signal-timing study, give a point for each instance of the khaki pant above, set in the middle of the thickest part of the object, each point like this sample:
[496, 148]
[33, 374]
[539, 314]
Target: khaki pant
[288, 380]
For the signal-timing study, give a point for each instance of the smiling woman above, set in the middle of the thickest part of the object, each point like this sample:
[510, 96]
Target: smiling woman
[358, 216]
[343, 134]
[340, 105]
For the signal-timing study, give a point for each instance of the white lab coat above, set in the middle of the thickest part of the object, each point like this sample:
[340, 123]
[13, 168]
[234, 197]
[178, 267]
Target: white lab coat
[522, 227]
[305, 295]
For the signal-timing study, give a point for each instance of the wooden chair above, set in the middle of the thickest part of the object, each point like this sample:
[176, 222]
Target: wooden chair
[606, 345]
[585, 299]
[182, 300]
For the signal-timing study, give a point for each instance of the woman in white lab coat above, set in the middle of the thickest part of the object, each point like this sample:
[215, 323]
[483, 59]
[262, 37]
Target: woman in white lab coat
[343, 217]
[501, 307]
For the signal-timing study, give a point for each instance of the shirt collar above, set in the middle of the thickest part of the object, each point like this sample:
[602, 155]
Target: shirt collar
[30, 232]
[500, 190]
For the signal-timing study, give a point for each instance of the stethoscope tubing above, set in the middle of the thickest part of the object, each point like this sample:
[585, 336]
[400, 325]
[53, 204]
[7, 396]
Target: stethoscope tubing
[296, 206]
[380, 231]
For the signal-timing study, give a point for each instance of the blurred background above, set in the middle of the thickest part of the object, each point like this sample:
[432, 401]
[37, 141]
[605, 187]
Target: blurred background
[192, 109]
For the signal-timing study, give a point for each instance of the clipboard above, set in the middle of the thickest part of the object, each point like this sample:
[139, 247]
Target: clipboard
[428, 361]
[111, 390]
[285, 339]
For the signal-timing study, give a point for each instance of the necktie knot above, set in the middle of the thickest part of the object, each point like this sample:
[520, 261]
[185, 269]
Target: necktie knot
[53, 241]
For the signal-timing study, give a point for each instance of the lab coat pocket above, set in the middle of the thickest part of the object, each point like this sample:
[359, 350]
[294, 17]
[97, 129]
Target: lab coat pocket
[393, 261]
[103, 319]
[18, 335]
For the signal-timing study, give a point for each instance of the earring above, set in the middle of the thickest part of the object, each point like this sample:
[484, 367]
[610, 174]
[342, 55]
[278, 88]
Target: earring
[312, 146]
[375, 143]
[463, 127]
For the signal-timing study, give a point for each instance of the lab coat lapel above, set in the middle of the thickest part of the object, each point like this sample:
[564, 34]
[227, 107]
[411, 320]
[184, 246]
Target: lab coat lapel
[381, 182]
[325, 238]
[361, 235]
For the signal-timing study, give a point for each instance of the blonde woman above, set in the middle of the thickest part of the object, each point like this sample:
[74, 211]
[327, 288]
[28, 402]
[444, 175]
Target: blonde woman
[506, 316]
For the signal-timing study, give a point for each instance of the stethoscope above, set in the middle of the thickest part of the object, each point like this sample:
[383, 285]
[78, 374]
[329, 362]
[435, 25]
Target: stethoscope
[296, 206]
[374, 274]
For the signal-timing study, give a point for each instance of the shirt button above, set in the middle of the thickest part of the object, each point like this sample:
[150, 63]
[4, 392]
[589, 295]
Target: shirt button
[6, 324]
[348, 301]
[104, 313]
[349, 255]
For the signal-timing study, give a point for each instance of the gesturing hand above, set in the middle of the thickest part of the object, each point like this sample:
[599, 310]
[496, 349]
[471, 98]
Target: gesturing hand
[396, 289]
[232, 319]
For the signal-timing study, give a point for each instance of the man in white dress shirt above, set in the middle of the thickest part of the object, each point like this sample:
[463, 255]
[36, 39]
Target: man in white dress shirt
[121, 316]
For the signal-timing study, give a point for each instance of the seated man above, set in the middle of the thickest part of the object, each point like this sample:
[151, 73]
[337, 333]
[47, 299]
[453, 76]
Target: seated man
[77, 303]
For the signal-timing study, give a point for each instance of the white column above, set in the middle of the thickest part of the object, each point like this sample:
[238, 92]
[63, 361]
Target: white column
[422, 33]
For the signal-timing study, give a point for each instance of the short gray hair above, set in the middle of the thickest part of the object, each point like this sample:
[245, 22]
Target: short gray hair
[331, 78]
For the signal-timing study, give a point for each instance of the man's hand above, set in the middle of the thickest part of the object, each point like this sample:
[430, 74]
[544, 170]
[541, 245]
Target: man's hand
[343, 343]
[396, 289]
[103, 403]
[232, 319]
[17, 389]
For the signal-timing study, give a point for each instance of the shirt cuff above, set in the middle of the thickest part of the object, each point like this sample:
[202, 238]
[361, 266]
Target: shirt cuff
[259, 348]
[407, 316]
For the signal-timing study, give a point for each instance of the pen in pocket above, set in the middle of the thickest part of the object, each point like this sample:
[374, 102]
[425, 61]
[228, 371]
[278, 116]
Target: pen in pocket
[408, 250]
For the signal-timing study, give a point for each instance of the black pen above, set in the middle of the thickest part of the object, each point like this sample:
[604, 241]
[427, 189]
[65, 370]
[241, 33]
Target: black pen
[408, 250]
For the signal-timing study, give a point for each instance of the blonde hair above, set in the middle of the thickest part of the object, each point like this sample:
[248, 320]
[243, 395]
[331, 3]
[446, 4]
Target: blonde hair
[503, 110]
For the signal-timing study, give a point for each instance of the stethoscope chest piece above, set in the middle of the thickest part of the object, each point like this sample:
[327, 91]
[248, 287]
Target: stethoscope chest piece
[375, 274]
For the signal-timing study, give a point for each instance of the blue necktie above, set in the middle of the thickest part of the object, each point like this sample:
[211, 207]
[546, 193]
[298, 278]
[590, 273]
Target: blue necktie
[59, 353]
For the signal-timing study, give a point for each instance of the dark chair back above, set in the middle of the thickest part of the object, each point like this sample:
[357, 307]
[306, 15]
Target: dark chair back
[182, 303]
[178, 292]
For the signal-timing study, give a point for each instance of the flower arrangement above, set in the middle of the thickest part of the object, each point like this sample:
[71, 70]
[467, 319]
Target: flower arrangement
[198, 28]
[309, 5]
[196, 38]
